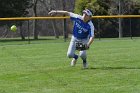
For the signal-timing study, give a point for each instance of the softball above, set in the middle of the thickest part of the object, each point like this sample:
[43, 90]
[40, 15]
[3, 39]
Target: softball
[13, 28]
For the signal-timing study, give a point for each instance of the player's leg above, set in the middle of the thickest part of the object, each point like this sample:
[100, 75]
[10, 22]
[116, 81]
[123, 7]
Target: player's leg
[83, 56]
[71, 51]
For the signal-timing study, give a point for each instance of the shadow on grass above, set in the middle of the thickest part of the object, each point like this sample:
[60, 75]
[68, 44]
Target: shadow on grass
[110, 68]
[15, 40]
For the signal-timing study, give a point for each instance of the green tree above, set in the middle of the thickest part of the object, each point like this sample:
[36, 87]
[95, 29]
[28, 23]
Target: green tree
[80, 5]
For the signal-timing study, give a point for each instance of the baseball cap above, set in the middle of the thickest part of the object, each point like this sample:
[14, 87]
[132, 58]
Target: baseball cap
[88, 12]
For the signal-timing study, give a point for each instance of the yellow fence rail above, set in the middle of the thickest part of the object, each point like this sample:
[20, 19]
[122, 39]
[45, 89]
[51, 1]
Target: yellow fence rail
[67, 17]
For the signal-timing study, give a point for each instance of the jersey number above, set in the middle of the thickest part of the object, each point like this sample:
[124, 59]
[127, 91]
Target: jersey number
[79, 31]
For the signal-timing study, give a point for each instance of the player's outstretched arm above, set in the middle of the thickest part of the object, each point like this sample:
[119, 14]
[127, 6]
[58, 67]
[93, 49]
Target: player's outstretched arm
[55, 12]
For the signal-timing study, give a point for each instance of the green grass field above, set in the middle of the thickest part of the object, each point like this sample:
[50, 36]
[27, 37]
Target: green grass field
[42, 67]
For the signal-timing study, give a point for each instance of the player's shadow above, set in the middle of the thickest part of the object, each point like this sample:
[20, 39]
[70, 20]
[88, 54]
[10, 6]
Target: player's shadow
[109, 68]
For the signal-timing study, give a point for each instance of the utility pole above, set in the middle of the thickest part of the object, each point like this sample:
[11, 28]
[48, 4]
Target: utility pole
[130, 29]
[120, 21]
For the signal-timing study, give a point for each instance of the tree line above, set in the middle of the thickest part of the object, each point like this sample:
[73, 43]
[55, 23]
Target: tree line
[104, 27]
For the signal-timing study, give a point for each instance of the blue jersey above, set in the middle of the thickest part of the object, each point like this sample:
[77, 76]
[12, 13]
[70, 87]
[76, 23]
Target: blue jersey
[81, 29]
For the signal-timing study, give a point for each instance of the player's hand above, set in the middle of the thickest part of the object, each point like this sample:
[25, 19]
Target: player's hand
[87, 46]
[53, 12]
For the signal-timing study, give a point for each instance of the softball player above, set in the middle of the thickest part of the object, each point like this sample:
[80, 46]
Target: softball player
[83, 35]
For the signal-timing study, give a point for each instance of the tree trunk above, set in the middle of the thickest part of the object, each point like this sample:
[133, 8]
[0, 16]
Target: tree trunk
[21, 32]
[34, 21]
[54, 29]
[64, 22]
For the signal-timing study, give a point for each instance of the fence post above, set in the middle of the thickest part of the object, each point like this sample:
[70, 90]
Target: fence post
[99, 29]
[28, 32]
[65, 33]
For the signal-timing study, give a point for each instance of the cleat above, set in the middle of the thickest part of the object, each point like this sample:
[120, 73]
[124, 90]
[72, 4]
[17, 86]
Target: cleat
[73, 62]
[85, 65]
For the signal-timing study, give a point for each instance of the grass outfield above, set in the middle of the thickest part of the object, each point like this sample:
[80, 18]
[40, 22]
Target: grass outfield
[42, 67]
